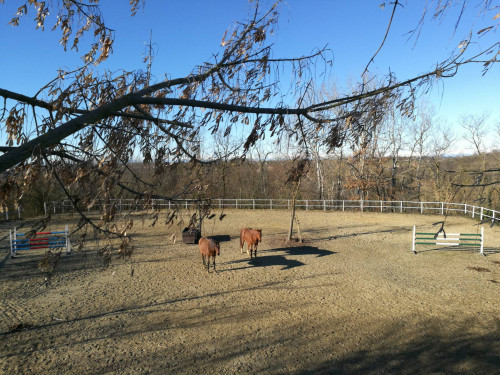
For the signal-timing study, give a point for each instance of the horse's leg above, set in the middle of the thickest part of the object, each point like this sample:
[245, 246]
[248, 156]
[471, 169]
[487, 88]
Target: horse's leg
[214, 265]
[255, 250]
[203, 259]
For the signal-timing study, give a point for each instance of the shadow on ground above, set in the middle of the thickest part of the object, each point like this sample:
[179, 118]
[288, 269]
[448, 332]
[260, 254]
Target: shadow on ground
[274, 257]
[455, 352]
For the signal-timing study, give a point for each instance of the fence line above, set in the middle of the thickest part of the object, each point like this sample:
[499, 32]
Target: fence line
[440, 208]
[7, 214]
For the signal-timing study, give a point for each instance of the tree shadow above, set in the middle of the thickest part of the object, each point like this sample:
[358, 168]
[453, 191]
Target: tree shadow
[278, 259]
[456, 352]
[263, 261]
[275, 260]
[303, 250]
[221, 237]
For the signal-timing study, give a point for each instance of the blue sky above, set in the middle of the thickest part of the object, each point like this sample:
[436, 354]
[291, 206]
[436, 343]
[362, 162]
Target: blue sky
[188, 32]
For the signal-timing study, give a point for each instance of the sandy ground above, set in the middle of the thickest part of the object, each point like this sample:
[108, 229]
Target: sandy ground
[352, 299]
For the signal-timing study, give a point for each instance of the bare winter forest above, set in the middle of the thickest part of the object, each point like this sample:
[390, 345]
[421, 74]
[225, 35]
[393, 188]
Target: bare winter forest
[417, 178]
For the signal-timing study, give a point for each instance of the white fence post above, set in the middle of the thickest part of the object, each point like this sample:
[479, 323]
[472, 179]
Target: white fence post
[343, 205]
[413, 241]
[473, 211]
[270, 204]
[442, 208]
[381, 207]
[421, 207]
[482, 240]
[481, 214]
[401, 202]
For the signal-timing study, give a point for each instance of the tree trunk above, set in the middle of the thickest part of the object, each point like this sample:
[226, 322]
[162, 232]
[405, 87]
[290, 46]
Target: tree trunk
[292, 218]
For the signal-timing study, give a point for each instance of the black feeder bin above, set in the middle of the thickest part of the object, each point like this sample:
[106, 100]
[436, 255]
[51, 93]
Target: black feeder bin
[191, 235]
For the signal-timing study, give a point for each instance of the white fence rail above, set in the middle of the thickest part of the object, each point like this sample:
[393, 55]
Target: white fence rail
[440, 208]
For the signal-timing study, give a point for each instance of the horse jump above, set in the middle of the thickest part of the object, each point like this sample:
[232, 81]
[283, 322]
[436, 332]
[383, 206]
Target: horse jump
[474, 240]
[48, 240]
[208, 248]
[252, 237]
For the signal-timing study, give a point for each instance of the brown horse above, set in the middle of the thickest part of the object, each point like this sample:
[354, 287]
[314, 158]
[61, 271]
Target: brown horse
[252, 237]
[208, 248]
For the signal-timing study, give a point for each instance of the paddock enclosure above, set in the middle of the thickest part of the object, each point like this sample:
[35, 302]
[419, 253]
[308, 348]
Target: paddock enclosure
[351, 299]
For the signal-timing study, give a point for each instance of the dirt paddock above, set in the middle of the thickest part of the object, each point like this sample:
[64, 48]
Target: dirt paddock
[352, 299]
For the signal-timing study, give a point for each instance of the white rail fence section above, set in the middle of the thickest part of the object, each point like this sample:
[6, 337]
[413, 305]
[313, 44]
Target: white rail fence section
[440, 208]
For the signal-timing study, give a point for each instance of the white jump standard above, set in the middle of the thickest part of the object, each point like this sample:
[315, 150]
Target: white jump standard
[451, 239]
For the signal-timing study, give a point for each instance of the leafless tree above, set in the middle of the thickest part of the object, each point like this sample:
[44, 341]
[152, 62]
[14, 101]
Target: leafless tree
[476, 130]
[420, 139]
[395, 127]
